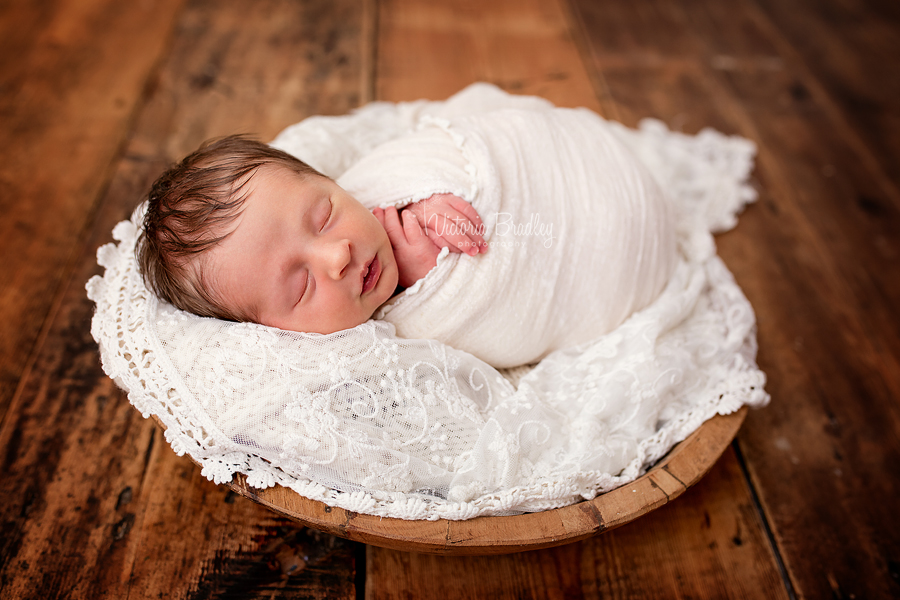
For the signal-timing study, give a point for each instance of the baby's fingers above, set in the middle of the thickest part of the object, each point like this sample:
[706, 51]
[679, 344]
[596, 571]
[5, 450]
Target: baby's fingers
[467, 219]
[379, 214]
[458, 233]
[412, 230]
[469, 211]
[465, 227]
[390, 219]
[440, 242]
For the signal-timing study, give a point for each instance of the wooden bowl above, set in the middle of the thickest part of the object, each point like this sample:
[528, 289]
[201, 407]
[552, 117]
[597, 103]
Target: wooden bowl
[681, 468]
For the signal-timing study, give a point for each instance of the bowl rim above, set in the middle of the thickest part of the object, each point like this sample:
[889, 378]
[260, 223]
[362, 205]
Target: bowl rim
[683, 466]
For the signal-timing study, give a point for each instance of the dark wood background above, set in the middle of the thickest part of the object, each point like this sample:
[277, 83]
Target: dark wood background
[97, 96]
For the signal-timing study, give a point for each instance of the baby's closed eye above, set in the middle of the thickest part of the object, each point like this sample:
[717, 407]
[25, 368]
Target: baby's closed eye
[324, 213]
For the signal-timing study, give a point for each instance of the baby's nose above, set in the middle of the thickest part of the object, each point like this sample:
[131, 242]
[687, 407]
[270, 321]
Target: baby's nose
[337, 258]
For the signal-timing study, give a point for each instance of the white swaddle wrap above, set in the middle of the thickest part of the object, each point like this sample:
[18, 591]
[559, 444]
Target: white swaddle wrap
[416, 429]
[580, 234]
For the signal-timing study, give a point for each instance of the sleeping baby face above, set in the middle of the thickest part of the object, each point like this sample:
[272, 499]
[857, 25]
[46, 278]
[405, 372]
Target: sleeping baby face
[304, 256]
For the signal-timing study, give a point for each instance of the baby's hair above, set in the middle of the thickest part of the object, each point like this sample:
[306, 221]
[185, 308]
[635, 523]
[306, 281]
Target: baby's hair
[189, 210]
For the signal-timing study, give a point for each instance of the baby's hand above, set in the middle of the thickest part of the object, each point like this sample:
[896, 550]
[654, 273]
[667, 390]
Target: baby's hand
[450, 222]
[415, 253]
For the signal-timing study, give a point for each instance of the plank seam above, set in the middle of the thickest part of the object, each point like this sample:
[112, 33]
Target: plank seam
[79, 247]
[770, 535]
[369, 52]
[672, 475]
[579, 35]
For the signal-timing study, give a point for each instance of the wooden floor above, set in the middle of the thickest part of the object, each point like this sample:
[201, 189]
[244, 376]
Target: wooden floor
[96, 96]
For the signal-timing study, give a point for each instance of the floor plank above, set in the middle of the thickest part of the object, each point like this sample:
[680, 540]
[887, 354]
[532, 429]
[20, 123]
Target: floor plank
[708, 543]
[94, 502]
[817, 258]
[851, 49]
[432, 50]
[71, 74]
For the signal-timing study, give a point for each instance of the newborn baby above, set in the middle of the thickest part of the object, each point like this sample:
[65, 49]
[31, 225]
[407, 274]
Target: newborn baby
[581, 236]
[241, 231]
[581, 244]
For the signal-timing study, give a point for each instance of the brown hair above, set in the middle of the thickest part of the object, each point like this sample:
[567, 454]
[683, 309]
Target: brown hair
[189, 209]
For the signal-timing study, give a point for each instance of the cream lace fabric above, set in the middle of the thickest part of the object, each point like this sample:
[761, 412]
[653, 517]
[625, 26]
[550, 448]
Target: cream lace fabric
[415, 429]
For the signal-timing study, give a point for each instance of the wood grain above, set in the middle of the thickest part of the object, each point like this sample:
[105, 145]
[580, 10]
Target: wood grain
[434, 49]
[707, 544]
[817, 258]
[70, 79]
[97, 96]
[94, 502]
[850, 50]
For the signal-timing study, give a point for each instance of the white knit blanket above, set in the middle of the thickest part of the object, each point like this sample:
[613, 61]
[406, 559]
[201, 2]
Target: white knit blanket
[580, 234]
[418, 429]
